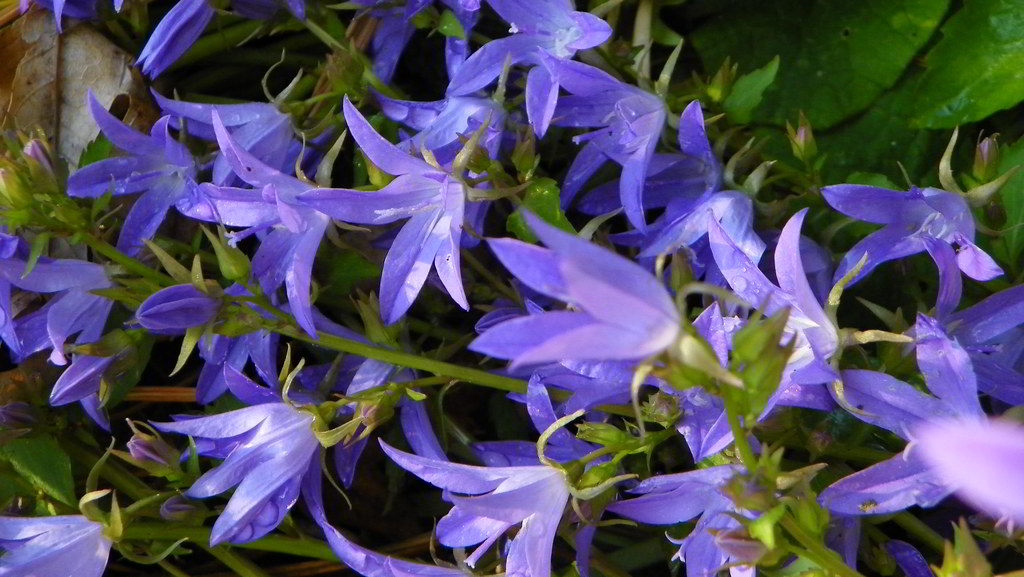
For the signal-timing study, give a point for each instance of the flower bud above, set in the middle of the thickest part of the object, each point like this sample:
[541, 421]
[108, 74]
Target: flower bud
[150, 449]
[801, 139]
[739, 546]
[179, 508]
[986, 159]
[177, 308]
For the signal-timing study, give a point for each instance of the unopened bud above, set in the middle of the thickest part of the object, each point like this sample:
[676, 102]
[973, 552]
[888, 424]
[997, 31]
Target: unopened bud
[801, 139]
[179, 508]
[177, 308]
[986, 159]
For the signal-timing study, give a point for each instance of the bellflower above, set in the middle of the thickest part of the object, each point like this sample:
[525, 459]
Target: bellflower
[991, 333]
[488, 501]
[220, 351]
[258, 127]
[433, 201]
[816, 334]
[72, 310]
[267, 449]
[677, 498]
[176, 308]
[157, 166]
[909, 218]
[79, 9]
[622, 312]
[886, 402]
[441, 125]
[290, 232]
[628, 122]
[60, 545]
[980, 460]
[543, 32]
[174, 35]
[395, 28]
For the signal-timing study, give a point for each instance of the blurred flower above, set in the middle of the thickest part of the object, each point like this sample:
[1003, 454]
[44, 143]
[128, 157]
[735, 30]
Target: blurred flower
[60, 545]
[174, 35]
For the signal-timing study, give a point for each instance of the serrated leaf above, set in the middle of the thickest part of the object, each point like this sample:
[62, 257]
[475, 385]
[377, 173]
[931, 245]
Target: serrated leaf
[541, 197]
[99, 149]
[748, 90]
[977, 68]
[43, 464]
[836, 58]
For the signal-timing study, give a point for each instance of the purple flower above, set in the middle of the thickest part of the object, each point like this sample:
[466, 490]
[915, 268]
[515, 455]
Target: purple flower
[267, 449]
[221, 352]
[174, 35]
[910, 219]
[622, 312]
[290, 232]
[991, 333]
[628, 122]
[886, 402]
[816, 334]
[442, 125]
[980, 460]
[488, 501]
[157, 166]
[543, 32]
[433, 201]
[176, 308]
[909, 559]
[61, 545]
[258, 127]
[80, 9]
[677, 498]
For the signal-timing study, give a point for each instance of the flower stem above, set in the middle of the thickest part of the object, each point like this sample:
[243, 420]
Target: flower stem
[439, 368]
[217, 42]
[273, 543]
[740, 439]
[133, 265]
[237, 563]
[918, 529]
[814, 551]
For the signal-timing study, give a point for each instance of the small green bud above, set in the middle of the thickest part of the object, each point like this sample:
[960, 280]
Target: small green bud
[233, 263]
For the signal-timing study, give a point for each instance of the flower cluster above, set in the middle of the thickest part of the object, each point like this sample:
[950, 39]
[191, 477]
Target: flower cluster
[679, 342]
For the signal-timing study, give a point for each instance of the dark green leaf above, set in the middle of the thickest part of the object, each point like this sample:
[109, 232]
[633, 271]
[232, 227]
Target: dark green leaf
[978, 66]
[543, 199]
[835, 57]
[748, 90]
[97, 150]
[42, 463]
[1012, 196]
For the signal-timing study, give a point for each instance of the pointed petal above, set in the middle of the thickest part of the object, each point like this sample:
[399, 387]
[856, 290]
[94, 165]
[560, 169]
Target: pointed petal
[382, 153]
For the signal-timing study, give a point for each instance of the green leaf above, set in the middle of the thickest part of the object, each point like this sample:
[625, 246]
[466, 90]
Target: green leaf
[543, 199]
[836, 58]
[978, 66]
[1012, 195]
[449, 25]
[99, 149]
[42, 463]
[746, 93]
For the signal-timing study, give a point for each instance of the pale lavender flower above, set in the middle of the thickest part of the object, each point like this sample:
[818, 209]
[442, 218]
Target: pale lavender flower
[628, 122]
[442, 125]
[622, 312]
[488, 501]
[433, 201]
[45, 546]
[910, 218]
[981, 460]
[543, 32]
[157, 166]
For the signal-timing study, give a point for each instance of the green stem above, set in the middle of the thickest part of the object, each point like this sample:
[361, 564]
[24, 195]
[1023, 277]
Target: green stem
[817, 552]
[240, 565]
[740, 438]
[857, 454]
[308, 548]
[174, 571]
[919, 530]
[118, 476]
[104, 248]
[439, 368]
[217, 42]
